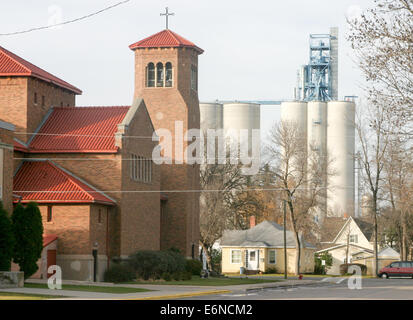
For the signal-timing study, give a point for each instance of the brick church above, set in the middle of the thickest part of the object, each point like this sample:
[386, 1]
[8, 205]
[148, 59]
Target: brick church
[90, 169]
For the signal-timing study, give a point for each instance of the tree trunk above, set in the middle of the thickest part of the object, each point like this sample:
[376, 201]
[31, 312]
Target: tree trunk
[296, 240]
[404, 236]
[208, 256]
[376, 258]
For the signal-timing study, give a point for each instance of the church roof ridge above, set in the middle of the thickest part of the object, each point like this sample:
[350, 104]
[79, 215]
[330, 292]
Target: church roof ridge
[165, 39]
[13, 65]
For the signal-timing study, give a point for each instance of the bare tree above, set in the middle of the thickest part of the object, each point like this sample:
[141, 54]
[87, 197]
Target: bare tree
[300, 175]
[372, 126]
[225, 203]
[398, 169]
[383, 41]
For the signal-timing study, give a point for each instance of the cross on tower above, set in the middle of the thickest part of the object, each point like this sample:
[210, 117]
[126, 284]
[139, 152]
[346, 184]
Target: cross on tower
[167, 14]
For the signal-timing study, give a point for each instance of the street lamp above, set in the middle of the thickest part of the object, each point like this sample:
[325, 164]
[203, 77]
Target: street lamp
[285, 238]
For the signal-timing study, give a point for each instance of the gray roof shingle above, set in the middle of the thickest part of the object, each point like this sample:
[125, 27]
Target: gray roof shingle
[265, 234]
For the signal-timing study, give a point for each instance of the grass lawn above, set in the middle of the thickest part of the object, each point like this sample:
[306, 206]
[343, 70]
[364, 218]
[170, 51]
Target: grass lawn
[198, 281]
[88, 288]
[24, 296]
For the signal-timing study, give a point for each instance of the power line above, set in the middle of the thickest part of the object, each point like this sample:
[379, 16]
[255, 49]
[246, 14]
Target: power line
[171, 191]
[65, 22]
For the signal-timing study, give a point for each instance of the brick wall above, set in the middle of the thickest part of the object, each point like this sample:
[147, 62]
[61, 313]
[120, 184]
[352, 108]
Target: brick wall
[180, 222]
[134, 224]
[140, 211]
[6, 139]
[71, 223]
[18, 107]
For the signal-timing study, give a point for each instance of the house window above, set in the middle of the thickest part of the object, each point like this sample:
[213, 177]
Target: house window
[141, 168]
[168, 74]
[159, 74]
[194, 78]
[354, 238]
[236, 256]
[43, 101]
[150, 75]
[100, 216]
[271, 257]
[35, 98]
[49, 213]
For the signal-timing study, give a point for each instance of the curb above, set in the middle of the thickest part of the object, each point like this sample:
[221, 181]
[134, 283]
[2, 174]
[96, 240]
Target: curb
[287, 285]
[181, 295]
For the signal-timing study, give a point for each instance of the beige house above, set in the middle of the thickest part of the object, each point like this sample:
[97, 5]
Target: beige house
[261, 248]
[351, 240]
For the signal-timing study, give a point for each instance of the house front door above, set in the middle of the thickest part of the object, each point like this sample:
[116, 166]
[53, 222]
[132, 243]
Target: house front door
[253, 259]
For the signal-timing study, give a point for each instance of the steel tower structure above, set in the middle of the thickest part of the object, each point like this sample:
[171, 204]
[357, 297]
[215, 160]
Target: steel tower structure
[317, 81]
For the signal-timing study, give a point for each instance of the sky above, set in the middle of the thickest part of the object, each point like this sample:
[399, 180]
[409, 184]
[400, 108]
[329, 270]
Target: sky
[252, 48]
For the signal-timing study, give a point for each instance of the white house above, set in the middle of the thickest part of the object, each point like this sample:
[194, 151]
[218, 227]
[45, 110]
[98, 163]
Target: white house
[346, 239]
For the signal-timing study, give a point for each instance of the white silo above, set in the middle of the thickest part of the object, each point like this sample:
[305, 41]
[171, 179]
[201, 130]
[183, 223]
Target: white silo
[241, 116]
[317, 146]
[211, 114]
[341, 146]
[296, 112]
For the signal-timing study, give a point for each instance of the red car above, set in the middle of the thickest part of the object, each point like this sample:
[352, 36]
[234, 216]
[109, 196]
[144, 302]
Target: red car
[397, 269]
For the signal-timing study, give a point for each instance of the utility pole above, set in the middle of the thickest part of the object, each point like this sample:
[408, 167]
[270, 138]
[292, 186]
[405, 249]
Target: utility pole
[285, 239]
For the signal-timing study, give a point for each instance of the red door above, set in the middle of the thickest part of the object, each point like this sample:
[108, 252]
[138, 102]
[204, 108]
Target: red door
[51, 260]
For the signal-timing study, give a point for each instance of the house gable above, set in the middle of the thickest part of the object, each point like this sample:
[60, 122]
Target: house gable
[351, 228]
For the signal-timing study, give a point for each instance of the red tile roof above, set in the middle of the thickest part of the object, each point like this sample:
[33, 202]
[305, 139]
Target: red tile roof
[13, 65]
[79, 129]
[165, 39]
[45, 182]
[20, 146]
[48, 239]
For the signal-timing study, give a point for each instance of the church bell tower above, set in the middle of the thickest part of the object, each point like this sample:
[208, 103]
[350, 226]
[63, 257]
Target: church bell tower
[166, 77]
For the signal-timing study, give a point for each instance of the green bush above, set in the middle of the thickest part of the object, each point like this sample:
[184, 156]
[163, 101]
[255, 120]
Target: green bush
[153, 264]
[271, 271]
[6, 240]
[318, 258]
[186, 275]
[177, 276]
[28, 234]
[147, 264]
[119, 273]
[344, 268]
[166, 276]
[176, 261]
[193, 266]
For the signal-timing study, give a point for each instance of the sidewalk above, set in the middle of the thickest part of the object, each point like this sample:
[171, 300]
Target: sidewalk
[160, 291]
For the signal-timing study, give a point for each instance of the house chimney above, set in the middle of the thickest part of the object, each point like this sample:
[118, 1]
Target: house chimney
[252, 222]
[345, 215]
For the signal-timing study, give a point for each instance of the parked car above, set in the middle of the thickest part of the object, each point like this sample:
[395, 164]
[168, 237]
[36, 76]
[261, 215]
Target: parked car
[397, 269]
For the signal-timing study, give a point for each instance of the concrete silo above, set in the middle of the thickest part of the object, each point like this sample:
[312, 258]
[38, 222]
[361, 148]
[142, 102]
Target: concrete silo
[211, 115]
[317, 149]
[296, 112]
[317, 126]
[341, 148]
[241, 116]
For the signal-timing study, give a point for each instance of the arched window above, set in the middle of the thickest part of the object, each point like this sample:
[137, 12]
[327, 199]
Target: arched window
[150, 75]
[159, 74]
[168, 74]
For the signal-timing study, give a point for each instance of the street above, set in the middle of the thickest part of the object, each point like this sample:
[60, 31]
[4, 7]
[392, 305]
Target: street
[371, 289]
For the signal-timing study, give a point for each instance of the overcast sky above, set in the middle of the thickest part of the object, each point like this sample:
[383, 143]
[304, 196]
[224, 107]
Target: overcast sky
[252, 48]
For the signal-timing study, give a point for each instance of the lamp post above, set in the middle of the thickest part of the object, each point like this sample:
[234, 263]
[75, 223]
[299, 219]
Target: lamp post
[285, 238]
